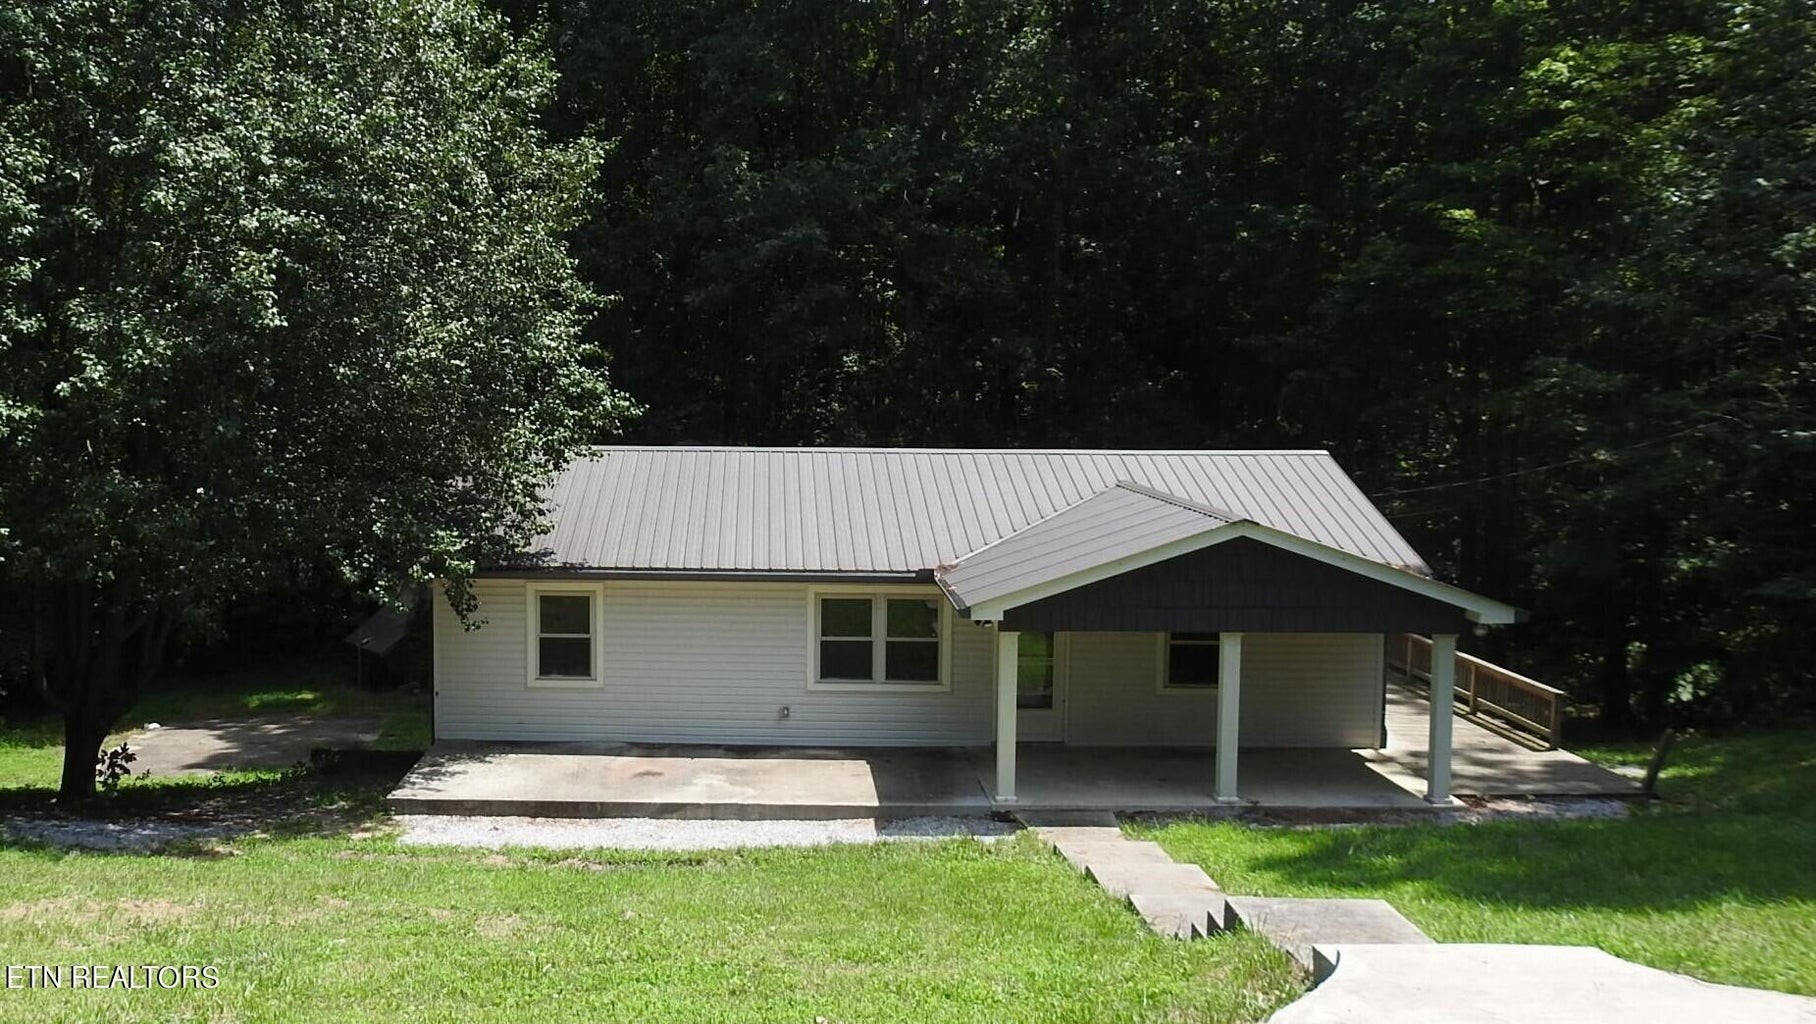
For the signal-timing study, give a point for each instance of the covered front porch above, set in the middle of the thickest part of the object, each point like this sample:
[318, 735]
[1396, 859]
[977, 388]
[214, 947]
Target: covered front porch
[623, 780]
[1232, 605]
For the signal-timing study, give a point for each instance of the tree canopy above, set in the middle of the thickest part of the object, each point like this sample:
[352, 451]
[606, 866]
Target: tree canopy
[1541, 275]
[283, 292]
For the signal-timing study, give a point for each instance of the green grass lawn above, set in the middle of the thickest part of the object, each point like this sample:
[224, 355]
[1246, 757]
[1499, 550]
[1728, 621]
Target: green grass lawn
[1719, 883]
[31, 752]
[362, 930]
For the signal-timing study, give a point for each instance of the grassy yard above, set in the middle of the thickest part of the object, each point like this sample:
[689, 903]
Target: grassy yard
[321, 916]
[31, 752]
[362, 930]
[1719, 883]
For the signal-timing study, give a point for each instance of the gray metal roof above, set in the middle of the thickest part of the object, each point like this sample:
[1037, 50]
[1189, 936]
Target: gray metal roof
[1119, 521]
[910, 510]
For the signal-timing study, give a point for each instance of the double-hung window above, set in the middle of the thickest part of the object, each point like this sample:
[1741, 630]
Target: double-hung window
[563, 638]
[1190, 661]
[878, 640]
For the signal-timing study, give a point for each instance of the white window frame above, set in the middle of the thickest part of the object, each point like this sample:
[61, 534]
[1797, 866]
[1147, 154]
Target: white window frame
[534, 591]
[1164, 659]
[878, 638]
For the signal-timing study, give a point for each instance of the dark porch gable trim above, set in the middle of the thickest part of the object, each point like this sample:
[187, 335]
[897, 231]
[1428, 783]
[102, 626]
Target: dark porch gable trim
[1475, 607]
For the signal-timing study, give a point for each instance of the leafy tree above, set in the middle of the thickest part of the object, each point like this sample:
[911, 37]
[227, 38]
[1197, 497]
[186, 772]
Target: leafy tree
[282, 290]
[1538, 273]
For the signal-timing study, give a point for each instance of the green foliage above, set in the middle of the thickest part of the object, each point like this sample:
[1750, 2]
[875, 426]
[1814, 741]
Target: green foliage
[1717, 882]
[1539, 273]
[948, 931]
[283, 294]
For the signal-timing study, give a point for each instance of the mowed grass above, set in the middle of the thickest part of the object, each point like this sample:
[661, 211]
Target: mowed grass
[31, 751]
[362, 930]
[1718, 882]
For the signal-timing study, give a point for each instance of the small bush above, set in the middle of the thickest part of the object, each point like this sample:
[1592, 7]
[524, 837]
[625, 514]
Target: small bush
[114, 765]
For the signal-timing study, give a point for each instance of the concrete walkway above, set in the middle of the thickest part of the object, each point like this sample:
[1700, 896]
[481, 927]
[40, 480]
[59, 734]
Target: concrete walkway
[1499, 984]
[1176, 900]
[1371, 964]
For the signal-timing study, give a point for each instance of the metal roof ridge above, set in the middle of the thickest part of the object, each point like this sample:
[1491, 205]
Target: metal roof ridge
[1187, 504]
[883, 449]
[939, 570]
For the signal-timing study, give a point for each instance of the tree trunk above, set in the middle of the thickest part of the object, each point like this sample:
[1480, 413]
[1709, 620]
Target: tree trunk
[1617, 692]
[83, 734]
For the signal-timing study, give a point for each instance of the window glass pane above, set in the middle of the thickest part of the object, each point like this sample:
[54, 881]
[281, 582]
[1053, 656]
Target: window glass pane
[912, 661]
[845, 616]
[1035, 645]
[1034, 683]
[845, 660]
[1209, 638]
[1192, 664]
[565, 613]
[559, 657]
[913, 618]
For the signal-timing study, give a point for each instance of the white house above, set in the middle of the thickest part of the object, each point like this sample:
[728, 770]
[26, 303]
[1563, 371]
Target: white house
[896, 597]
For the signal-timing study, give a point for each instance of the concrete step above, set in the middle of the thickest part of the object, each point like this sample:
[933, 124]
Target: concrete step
[1181, 915]
[1296, 925]
[1060, 834]
[1036, 818]
[1126, 878]
[1083, 855]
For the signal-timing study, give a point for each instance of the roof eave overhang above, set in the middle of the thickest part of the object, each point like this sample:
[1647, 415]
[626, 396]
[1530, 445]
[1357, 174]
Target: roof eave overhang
[582, 572]
[1475, 607]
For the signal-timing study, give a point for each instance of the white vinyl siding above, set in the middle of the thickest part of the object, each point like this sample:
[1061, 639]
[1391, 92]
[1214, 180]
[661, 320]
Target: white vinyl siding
[702, 662]
[1298, 690]
[693, 662]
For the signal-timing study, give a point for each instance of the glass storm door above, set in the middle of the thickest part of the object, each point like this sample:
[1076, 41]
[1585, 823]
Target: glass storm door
[1040, 687]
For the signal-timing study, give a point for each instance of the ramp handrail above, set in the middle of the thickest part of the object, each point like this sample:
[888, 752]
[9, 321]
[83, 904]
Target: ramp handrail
[1485, 689]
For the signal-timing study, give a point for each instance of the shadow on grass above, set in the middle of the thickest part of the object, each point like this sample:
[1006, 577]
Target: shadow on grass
[188, 818]
[1651, 861]
[1736, 823]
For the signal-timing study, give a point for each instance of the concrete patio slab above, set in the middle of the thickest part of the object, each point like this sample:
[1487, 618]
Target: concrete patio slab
[1296, 925]
[1058, 784]
[621, 780]
[1052, 778]
[1497, 984]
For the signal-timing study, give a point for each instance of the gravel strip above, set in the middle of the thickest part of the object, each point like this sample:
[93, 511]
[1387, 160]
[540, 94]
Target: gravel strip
[110, 836]
[493, 832]
[1505, 808]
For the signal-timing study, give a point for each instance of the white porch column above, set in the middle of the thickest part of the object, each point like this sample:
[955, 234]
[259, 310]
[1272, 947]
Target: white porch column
[1007, 650]
[1443, 691]
[1229, 712]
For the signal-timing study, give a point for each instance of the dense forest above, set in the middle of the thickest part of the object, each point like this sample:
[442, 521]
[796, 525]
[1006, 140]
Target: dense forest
[1541, 275]
[302, 300]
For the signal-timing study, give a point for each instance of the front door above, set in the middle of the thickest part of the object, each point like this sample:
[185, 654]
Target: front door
[1040, 687]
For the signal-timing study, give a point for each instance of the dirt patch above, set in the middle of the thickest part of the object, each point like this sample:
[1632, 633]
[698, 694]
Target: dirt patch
[76, 910]
[276, 741]
[498, 927]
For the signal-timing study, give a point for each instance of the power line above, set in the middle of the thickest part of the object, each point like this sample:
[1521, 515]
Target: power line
[1541, 469]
